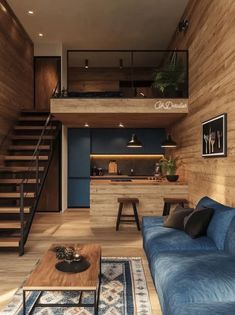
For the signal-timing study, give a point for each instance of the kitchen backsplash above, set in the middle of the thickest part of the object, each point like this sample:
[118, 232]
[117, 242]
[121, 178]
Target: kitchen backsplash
[140, 166]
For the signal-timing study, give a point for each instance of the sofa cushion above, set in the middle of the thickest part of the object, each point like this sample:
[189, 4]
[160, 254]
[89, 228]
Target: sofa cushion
[220, 221]
[194, 277]
[175, 219]
[196, 223]
[151, 221]
[157, 239]
[229, 245]
[215, 308]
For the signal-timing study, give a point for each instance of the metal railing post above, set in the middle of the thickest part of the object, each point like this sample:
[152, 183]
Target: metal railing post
[21, 245]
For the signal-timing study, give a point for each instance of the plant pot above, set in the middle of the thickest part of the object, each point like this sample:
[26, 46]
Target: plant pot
[172, 178]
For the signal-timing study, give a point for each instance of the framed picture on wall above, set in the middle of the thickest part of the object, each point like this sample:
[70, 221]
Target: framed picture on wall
[214, 136]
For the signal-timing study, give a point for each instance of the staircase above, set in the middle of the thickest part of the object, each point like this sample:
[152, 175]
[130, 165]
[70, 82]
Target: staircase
[23, 174]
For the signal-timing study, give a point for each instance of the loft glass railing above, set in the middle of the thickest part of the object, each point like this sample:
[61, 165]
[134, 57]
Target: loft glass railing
[127, 74]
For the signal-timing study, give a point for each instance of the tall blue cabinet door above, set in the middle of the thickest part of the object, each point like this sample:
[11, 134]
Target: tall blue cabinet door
[79, 193]
[78, 167]
[78, 152]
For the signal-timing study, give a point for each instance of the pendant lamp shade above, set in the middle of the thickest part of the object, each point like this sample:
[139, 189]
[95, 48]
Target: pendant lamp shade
[134, 142]
[168, 143]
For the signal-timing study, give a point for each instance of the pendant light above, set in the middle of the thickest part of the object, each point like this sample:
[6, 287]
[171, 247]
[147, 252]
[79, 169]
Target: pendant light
[86, 64]
[134, 142]
[168, 143]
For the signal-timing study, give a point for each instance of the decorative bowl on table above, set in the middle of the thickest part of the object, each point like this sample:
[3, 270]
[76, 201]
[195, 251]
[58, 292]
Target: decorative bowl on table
[70, 260]
[172, 178]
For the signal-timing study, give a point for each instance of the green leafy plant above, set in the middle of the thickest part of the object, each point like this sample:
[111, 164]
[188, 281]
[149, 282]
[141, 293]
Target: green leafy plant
[169, 166]
[172, 76]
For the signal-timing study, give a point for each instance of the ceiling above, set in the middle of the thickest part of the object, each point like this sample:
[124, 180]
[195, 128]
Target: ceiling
[102, 24]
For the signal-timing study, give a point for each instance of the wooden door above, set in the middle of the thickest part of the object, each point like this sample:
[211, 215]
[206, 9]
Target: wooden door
[47, 72]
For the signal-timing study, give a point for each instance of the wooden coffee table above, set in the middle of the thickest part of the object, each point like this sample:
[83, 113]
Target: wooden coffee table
[45, 277]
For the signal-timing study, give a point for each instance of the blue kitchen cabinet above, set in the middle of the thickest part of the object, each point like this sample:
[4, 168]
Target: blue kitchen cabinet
[79, 152]
[78, 168]
[113, 141]
[79, 193]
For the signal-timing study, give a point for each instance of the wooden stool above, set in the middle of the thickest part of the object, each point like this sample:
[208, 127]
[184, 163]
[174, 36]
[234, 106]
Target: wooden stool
[125, 201]
[170, 201]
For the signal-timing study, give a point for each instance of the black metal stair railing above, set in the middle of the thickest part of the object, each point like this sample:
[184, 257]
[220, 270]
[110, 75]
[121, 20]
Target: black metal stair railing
[34, 166]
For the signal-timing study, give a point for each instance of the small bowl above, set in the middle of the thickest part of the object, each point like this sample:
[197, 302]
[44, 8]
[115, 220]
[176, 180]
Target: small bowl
[172, 178]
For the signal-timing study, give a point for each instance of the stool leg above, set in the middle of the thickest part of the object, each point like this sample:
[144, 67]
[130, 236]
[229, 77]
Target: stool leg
[119, 215]
[166, 208]
[136, 216]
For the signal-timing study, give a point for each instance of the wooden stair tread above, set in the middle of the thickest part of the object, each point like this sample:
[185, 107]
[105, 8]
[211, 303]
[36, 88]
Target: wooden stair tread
[9, 241]
[22, 127]
[9, 224]
[17, 181]
[16, 195]
[16, 169]
[32, 118]
[28, 147]
[25, 157]
[8, 210]
[30, 137]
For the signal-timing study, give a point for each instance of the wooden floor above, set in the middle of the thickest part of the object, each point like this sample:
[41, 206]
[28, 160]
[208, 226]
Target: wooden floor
[70, 226]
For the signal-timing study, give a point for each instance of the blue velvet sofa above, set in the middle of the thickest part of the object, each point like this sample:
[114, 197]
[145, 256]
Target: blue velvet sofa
[193, 276]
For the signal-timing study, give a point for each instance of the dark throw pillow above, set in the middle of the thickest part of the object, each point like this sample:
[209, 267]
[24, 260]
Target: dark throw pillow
[196, 223]
[176, 218]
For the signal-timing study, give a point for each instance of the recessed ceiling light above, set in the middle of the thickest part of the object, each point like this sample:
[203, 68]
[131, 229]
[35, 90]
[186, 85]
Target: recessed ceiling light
[86, 125]
[40, 34]
[31, 12]
[121, 125]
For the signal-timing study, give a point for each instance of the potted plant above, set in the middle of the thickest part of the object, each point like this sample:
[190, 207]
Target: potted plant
[168, 168]
[172, 78]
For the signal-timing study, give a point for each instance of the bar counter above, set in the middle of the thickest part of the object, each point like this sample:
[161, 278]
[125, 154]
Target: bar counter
[104, 194]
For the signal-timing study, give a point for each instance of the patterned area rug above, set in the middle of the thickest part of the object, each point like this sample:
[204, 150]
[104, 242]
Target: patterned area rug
[123, 292]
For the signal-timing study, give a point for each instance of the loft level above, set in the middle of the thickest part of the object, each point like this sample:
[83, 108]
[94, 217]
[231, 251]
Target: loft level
[109, 113]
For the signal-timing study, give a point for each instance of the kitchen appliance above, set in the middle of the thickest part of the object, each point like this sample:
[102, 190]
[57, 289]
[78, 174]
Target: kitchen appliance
[100, 171]
[113, 168]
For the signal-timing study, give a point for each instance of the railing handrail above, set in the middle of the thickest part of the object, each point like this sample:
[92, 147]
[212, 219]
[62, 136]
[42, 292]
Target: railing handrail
[25, 228]
[35, 153]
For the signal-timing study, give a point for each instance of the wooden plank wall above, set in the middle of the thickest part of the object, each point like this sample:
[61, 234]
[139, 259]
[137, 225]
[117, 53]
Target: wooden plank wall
[210, 39]
[16, 69]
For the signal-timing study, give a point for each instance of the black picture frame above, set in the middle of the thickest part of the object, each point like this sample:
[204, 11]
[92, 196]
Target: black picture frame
[214, 136]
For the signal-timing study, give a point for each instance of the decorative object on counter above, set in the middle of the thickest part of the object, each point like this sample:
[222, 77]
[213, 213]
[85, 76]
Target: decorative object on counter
[214, 136]
[112, 168]
[169, 142]
[100, 171]
[134, 142]
[157, 172]
[169, 167]
[70, 260]
[64, 93]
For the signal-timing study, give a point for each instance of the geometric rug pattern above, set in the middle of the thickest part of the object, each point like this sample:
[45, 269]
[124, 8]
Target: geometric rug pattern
[123, 291]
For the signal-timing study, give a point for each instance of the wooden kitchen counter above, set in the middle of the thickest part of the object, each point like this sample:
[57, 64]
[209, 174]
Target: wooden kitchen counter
[104, 195]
